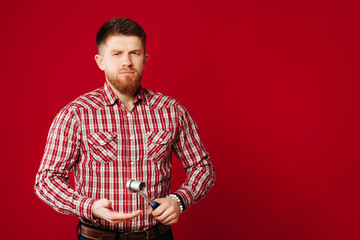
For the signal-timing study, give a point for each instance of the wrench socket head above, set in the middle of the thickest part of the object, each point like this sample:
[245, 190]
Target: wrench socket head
[135, 186]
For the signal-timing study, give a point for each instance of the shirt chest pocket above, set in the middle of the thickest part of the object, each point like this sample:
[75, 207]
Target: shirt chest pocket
[158, 145]
[103, 146]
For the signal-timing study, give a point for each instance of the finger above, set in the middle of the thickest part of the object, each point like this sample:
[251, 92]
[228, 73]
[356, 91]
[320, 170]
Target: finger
[106, 203]
[121, 220]
[131, 215]
[150, 210]
[122, 217]
[165, 215]
[170, 222]
[159, 210]
[167, 219]
[171, 219]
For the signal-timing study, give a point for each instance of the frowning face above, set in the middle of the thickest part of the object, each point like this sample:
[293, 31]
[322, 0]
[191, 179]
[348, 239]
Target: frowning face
[123, 59]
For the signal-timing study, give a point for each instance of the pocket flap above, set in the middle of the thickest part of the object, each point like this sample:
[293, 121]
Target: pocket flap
[101, 138]
[159, 137]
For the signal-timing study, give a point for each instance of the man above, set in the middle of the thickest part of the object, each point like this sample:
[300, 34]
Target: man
[117, 133]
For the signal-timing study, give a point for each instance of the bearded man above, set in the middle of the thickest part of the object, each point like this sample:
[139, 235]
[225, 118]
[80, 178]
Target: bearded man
[120, 132]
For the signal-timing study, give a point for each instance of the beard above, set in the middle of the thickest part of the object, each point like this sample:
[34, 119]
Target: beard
[126, 84]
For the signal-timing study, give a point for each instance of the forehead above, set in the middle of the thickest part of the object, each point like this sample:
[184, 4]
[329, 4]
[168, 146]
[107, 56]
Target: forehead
[123, 42]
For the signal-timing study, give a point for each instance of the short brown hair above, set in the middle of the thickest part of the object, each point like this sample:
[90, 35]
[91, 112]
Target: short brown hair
[120, 26]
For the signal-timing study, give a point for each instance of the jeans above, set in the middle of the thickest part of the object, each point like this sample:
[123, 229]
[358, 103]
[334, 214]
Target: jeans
[166, 236]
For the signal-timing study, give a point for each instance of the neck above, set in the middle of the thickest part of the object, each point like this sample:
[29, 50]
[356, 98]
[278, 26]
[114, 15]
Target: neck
[127, 99]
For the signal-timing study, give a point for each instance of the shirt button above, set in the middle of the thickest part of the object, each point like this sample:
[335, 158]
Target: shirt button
[128, 115]
[131, 137]
[132, 163]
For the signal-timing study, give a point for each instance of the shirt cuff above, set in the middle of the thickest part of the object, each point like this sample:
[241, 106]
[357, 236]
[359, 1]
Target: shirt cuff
[84, 208]
[185, 196]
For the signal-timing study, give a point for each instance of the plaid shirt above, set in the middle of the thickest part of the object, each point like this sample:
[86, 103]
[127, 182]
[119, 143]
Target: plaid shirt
[107, 145]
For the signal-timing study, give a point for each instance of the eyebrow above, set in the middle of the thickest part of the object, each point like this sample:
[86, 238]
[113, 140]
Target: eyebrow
[133, 50]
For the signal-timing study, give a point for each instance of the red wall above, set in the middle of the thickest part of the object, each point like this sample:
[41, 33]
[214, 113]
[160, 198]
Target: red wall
[273, 86]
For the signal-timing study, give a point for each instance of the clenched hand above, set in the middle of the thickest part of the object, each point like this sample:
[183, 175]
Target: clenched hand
[168, 211]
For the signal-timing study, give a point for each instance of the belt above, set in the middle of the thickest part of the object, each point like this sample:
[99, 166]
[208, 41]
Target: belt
[149, 234]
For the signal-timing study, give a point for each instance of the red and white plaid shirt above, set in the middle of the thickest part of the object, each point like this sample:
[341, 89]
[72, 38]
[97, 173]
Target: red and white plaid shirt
[107, 145]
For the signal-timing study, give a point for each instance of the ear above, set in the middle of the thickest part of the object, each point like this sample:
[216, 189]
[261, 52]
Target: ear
[100, 62]
[146, 58]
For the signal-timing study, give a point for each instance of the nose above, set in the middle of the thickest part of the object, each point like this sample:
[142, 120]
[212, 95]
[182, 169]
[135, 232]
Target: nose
[126, 60]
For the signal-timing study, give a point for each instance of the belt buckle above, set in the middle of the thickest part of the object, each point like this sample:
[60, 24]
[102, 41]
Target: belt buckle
[147, 234]
[127, 236]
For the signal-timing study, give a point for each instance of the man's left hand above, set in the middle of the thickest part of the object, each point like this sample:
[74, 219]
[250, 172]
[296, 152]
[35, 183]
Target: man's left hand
[168, 211]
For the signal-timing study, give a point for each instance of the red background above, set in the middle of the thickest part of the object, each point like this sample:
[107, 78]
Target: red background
[273, 86]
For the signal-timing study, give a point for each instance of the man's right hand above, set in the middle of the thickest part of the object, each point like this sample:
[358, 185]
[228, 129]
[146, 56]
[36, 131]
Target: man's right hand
[102, 208]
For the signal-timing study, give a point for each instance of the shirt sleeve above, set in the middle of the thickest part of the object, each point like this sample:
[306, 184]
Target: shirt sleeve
[188, 148]
[60, 155]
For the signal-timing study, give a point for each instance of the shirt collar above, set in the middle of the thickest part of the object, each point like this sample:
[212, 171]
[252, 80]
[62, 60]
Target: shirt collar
[140, 96]
[110, 98]
[108, 95]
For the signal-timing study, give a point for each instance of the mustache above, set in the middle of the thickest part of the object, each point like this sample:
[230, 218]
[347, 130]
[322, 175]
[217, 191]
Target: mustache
[127, 70]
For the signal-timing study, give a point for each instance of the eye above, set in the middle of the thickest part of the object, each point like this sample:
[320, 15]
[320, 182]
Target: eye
[116, 54]
[134, 53]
